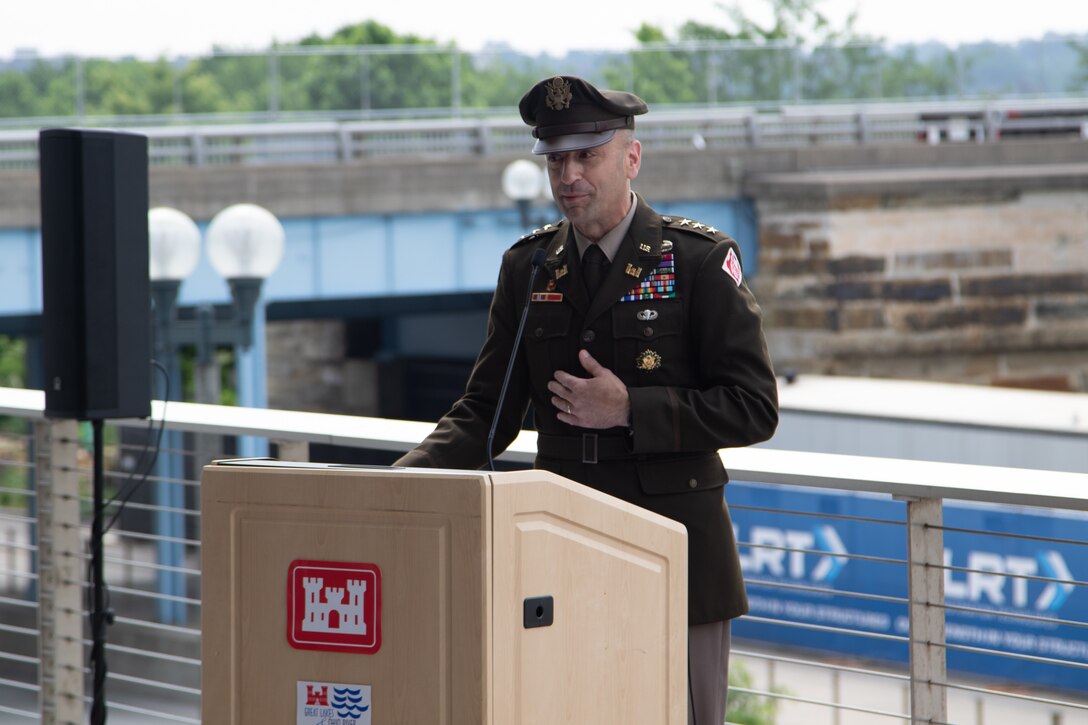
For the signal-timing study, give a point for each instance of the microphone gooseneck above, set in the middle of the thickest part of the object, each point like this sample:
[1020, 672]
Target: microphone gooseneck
[537, 262]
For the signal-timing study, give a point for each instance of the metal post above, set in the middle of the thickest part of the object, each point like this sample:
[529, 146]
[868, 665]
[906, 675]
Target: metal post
[293, 450]
[364, 81]
[455, 83]
[206, 445]
[273, 82]
[168, 497]
[836, 697]
[925, 544]
[100, 615]
[795, 61]
[60, 645]
[711, 77]
[81, 90]
[251, 380]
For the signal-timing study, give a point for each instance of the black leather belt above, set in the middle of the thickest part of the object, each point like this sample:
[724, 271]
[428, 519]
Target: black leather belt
[587, 448]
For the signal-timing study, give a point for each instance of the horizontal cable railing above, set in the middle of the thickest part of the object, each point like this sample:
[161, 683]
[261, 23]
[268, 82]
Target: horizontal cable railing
[823, 574]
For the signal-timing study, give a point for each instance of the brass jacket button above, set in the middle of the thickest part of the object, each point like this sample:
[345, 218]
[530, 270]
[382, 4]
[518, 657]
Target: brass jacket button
[693, 483]
[589, 336]
[647, 331]
[539, 332]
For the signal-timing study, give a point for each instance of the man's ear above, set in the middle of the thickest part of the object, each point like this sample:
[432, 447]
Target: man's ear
[633, 159]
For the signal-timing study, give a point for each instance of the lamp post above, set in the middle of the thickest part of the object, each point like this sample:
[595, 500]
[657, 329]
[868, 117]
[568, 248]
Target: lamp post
[522, 182]
[245, 245]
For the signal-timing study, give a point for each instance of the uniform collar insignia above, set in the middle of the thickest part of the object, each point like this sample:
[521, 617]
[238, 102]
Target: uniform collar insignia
[556, 250]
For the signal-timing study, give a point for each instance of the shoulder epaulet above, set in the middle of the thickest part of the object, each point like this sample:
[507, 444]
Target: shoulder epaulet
[690, 225]
[546, 230]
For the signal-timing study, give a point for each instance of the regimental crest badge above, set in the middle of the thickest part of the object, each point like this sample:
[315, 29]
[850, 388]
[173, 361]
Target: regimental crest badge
[648, 360]
[334, 606]
[559, 94]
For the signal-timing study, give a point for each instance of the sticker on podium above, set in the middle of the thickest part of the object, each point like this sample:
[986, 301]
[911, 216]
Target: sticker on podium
[333, 703]
[334, 606]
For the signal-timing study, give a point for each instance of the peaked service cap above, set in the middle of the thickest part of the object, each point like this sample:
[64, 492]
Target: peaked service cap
[568, 114]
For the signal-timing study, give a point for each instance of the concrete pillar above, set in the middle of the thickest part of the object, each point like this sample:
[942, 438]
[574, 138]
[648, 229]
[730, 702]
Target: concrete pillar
[60, 644]
[925, 546]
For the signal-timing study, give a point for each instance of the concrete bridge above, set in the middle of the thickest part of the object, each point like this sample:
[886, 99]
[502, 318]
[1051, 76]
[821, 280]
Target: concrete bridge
[963, 261]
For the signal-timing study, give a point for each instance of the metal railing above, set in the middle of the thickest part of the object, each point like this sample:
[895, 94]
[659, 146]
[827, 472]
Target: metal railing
[154, 650]
[341, 142]
[420, 80]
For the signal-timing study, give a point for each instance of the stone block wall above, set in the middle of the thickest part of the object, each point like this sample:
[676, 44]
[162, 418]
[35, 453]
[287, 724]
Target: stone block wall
[308, 369]
[990, 290]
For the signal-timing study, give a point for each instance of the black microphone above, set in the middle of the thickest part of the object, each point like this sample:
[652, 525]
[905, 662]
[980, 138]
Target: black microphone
[537, 262]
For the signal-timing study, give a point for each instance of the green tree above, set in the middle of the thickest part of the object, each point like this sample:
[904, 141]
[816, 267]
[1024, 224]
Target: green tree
[12, 362]
[377, 70]
[1080, 82]
[744, 707]
[658, 75]
[50, 85]
[498, 79]
[222, 82]
[797, 21]
[765, 65]
[128, 87]
[906, 75]
[18, 97]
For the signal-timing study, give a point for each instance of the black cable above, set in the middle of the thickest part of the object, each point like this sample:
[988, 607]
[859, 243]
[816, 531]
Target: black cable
[101, 615]
[129, 488]
[691, 689]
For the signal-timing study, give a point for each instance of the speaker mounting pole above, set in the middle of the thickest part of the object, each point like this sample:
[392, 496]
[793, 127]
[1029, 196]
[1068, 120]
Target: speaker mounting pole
[101, 615]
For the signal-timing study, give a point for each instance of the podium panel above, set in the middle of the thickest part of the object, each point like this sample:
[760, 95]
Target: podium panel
[339, 595]
[617, 650]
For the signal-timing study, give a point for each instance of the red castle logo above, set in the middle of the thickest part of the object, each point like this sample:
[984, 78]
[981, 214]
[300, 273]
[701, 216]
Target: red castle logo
[317, 695]
[334, 606]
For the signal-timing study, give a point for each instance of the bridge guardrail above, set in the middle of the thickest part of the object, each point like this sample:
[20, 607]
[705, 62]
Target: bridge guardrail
[350, 141]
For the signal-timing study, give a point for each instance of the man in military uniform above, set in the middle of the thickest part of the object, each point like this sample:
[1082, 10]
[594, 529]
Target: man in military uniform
[643, 356]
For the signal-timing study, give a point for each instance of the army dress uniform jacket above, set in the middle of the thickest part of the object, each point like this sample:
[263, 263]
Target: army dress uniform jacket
[676, 323]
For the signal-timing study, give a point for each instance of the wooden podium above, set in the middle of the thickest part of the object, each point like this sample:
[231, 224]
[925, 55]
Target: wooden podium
[337, 595]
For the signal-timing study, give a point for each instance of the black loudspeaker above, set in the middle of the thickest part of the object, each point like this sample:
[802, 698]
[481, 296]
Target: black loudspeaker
[96, 309]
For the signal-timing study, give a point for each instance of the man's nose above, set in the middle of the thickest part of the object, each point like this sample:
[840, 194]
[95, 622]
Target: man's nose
[570, 171]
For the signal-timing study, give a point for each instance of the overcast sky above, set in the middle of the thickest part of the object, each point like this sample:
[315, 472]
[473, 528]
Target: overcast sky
[149, 28]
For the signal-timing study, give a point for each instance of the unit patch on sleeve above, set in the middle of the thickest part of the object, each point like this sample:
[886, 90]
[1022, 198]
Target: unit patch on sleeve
[731, 265]
[660, 284]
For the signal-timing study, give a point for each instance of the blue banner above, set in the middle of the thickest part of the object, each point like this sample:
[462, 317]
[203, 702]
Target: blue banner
[802, 569]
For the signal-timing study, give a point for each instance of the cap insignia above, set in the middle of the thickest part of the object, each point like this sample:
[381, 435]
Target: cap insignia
[559, 94]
